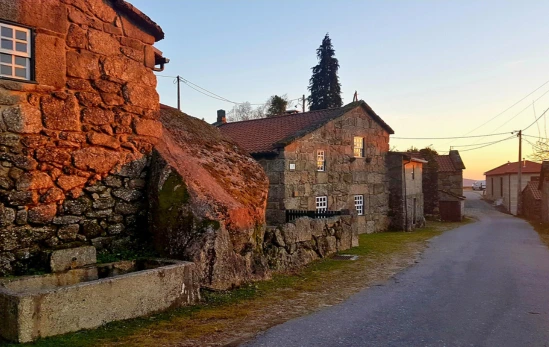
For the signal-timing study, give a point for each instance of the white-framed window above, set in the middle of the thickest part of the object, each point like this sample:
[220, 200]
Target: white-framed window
[15, 52]
[321, 203]
[320, 160]
[359, 204]
[358, 147]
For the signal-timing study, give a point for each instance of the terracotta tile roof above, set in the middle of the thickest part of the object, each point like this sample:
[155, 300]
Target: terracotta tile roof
[266, 134]
[532, 186]
[512, 168]
[445, 163]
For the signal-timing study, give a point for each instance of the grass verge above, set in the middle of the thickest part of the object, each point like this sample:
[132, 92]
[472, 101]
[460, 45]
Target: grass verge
[231, 317]
[542, 229]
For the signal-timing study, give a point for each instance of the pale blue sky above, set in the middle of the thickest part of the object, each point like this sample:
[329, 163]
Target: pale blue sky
[428, 68]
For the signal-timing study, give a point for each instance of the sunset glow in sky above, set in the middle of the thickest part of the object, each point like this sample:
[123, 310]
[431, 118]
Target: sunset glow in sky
[428, 68]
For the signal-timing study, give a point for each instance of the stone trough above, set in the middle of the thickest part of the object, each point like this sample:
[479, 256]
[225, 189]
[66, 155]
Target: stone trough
[32, 307]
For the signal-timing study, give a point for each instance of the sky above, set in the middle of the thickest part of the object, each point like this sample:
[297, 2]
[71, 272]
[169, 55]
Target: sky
[430, 69]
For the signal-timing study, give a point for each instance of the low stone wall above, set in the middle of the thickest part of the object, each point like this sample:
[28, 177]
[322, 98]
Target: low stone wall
[294, 245]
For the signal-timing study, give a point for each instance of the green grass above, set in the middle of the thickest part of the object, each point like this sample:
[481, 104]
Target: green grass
[218, 309]
[542, 229]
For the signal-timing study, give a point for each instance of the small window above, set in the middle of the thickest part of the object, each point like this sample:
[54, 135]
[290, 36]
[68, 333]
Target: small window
[358, 147]
[320, 160]
[359, 204]
[15, 52]
[413, 172]
[321, 203]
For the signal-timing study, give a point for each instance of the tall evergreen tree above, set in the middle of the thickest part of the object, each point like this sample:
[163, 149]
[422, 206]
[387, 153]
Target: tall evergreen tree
[277, 105]
[324, 84]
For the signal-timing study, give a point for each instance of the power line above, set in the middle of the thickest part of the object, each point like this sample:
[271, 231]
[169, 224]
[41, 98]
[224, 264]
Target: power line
[489, 144]
[447, 138]
[524, 109]
[210, 94]
[535, 121]
[508, 108]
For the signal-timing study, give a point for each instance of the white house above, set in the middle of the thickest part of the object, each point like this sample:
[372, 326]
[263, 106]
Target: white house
[502, 182]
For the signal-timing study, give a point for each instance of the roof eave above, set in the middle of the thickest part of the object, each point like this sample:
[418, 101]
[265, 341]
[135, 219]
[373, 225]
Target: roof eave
[139, 17]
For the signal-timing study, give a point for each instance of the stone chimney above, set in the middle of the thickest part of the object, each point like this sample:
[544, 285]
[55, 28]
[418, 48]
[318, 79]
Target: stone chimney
[221, 117]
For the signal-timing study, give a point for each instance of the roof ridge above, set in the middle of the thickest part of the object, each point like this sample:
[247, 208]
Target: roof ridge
[285, 115]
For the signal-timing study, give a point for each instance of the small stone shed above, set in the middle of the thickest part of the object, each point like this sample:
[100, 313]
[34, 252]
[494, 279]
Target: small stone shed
[531, 199]
[326, 160]
[405, 191]
[451, 206]
[78, 110]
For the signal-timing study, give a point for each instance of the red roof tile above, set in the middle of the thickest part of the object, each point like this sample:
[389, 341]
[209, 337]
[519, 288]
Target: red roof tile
[265, 134]
[532, 186]
[512, 168]
[445, 163]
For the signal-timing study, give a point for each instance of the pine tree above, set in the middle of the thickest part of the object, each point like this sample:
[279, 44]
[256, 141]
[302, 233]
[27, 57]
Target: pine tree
[324, 83]
[277, 105]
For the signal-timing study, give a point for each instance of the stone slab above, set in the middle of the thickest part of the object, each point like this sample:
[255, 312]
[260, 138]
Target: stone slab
[66, 259]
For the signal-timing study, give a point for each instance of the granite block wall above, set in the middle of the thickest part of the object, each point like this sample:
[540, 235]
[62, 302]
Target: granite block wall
[74, 141]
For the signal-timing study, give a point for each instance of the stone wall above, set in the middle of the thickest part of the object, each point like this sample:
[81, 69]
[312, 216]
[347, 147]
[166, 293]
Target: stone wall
[344, 175]
[451, 181]
[293, 245]
[74, 145]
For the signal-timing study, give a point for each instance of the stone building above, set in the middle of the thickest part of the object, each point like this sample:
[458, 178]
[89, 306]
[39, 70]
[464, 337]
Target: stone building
[502, 182]
[450, 172]
[405, 191]
[442, 179]
[78, 110]
[326, 160]
[531, 199]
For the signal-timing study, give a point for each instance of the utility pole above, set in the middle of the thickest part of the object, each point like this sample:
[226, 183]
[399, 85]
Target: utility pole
[178, 93]
[519, 183]
[303, 103]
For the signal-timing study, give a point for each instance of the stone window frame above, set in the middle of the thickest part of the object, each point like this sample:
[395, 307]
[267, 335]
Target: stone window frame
[358, 147]
[359, 204]
[320, 160]
[321, 203]
[13, 53]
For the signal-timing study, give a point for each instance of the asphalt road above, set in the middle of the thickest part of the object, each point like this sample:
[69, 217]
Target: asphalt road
[483, 284]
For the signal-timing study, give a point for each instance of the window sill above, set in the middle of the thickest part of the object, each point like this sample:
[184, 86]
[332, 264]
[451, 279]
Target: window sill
[3, 78]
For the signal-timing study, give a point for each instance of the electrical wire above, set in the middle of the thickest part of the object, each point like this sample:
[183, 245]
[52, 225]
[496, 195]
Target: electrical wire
[447, 138]
[508, 108]
[524, 109]
[212, 95]
[536, 120]
[489, 144]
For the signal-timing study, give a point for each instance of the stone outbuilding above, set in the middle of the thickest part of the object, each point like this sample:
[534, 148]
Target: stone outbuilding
[544, 190]
[531, 199]
[405, 191]
[326, 160]
[502, 182]
[78, 110]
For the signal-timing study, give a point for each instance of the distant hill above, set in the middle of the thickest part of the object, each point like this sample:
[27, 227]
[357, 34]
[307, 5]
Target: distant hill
[468, 182]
